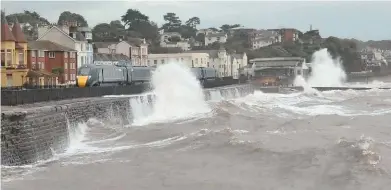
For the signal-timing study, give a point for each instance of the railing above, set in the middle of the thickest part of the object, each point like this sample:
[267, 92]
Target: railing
[33, 86]
[16, 66]
[33, 94]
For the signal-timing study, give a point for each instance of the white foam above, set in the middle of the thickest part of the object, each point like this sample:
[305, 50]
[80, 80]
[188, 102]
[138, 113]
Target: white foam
[326, 71]
[178, 95]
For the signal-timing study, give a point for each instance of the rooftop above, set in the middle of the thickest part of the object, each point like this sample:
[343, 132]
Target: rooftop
[110, 57]
[276, 59]
[47, 45]
[220, 34]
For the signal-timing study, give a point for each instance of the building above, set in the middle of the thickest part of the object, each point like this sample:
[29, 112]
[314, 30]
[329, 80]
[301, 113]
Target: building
[215, 37]
[68, 35]
[262, 38]
[287, 34]
[109, 59]
[174, 40]
[136, 49]
[239, 62]
[278, 70]
[189, 59]
[13, 55]
[241, 29]
[51, 63]
[206, 31]
[227, 65]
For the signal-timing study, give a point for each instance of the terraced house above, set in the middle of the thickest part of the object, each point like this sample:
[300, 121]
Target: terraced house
[51, 63]
[13, 55]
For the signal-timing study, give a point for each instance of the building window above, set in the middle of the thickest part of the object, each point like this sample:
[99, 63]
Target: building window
[162, 61]
[33, 65]
[2, 58]
[66, 76]
[51, 55]
[65, 54]
[33, 53]
[41, 53]
[21, 58]
[9, 57]
[65, 65]
[155, 62]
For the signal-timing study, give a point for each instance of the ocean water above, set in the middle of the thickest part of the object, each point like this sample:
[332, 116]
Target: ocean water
[304, 140]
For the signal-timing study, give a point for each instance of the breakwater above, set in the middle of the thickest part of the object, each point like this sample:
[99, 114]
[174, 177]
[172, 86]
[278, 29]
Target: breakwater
[34, 132]
[28, 96]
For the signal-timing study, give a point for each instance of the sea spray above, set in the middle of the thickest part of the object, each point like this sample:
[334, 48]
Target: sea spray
[326, 71]
[178, 95]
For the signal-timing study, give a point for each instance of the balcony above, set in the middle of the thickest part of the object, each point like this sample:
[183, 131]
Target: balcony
[16, 66]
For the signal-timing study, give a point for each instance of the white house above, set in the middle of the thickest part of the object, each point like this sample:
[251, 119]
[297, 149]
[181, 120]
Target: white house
[165, 41]
[205, 31]
[136, 49]
[215, 37]
[227, 65]
[262, 38]
[239, 62]
[69, 36]
[189, 59]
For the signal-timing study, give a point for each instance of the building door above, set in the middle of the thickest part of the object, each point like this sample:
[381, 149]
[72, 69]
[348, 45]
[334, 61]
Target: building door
[9, 80]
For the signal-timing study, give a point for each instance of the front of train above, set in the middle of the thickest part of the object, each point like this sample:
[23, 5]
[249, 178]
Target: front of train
[83, 76]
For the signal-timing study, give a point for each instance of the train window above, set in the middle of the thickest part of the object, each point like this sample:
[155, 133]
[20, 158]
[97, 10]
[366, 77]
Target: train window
[84, 71]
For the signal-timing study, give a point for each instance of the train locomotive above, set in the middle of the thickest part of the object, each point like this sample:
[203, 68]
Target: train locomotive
[126, 74]
[204, 74]
[102, 75]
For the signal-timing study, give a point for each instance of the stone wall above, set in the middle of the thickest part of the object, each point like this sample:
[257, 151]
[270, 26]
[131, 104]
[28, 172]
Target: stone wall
[32, 132]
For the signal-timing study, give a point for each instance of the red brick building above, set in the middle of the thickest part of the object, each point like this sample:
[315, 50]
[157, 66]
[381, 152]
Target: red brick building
[50, 57]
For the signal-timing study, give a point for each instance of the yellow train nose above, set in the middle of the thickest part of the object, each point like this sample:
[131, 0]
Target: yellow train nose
[82, 81]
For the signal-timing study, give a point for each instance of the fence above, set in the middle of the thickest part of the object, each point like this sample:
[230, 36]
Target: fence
[18, 96]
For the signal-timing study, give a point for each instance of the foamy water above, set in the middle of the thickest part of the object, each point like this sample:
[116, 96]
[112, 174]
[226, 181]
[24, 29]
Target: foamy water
[178, 95]
[303, 140]
[326, 71]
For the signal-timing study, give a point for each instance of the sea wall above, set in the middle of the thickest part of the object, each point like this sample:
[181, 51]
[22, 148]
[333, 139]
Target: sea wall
[33, 132]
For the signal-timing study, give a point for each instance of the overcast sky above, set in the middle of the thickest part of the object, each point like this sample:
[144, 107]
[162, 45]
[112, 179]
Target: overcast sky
[361, 20]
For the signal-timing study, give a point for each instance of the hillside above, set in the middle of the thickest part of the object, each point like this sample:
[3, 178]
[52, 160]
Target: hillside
[382, 44]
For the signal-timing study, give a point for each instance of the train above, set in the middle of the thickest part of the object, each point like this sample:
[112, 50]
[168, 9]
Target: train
[102, 75]
[125, 74]
[204, 74]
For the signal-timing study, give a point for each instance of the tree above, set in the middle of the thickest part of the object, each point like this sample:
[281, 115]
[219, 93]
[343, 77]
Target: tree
[226, 27]
[174, 39]
[67, 16]
[102, 32]
[200, 38]
[2, 15]
[132, 17]
[193, 22]
[173, 23]
[58, 70]
[31, 22]
[187, 31]
[138, 25]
